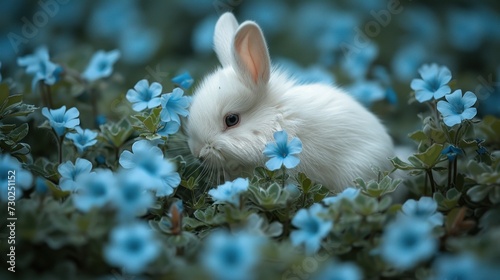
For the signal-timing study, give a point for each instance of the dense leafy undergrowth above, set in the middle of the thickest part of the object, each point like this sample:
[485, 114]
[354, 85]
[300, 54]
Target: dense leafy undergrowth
[123, 199]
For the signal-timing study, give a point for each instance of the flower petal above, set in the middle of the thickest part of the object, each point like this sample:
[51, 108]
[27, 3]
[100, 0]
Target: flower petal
[281, 137]
[291, 161]
[452, 120]
[295, 146]
[274, 163]
[445, 108]
[155, 89]
[469, 99]
[141, 85]
[469, 113]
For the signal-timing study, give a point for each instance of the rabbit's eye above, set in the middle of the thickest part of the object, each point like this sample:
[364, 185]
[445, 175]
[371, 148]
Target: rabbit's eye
[231, 119]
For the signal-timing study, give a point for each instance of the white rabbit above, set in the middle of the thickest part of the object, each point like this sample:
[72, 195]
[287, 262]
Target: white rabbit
[236, 109]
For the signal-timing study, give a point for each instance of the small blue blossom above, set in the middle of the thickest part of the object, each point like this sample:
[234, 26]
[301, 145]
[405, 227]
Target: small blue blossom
[357, 61]
[202, 38]
[183, 80]
[41, 67]
[70, 173]
[231, 257]
[168, 128]
[367, 92]
[132, 247]
[133, 197]
[82, 139]
[174, 104]
[229, 192]
[340, 271]
[407, 60]
[95, 189]
[101, 65]
[434, 82]
[282, 152]
[144, 95]
[100, 120]
[60, 119]
[41, 186]
[451, 152]
[348, 194]
[139, 43]
[13, 174]
[311, 228]
[464, 267]
[406, 242]
[457, 107]
[160, 174]
[425, 209]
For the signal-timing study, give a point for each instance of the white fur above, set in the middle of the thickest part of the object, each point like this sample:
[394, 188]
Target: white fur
[341, 139]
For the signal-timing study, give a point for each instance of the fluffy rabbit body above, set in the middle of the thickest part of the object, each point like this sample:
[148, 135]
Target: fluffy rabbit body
[236, 109]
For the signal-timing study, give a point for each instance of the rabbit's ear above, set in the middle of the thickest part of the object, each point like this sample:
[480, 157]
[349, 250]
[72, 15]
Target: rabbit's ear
[250, 54]
[225, 28]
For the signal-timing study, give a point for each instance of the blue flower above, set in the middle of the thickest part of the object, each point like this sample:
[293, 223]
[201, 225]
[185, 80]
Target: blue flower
[174, 104]
[168, 128]
[451, 152]
[311, 228]
[282, 152]
[41, 67]
[408, 59]
[464, 267]
[70, 173]
[133, 197]
[348, 194]
[425, 209]
[183, 80]
[144, 95]
[231, 257]
[367, 92]
[13, 174]
[83, 139]
[357, 61]
[101, 65]
[132, 247]
[139, 43]
[434, 82]
[160, 175]
[95, 189]
[457, 107]
[60, 119]
[406, 242]
[229, 192]
[340, 271]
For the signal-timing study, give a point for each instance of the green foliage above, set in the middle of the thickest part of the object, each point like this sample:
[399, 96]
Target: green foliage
[55, 239]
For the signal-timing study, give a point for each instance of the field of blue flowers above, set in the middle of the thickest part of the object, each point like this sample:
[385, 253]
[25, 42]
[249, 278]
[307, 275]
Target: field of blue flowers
[97, 180]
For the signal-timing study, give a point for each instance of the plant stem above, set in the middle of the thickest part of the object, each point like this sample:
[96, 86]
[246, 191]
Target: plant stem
[283, 179]
[59, 141]
[431, 180]
[455, 172]
[93, 103]
[450, 166]
[42, 93]
[48, 92]
[455, 142]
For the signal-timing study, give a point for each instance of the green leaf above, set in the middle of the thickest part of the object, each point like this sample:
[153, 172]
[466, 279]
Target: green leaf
[431, 156]
[418, 136]
[305, 182]
[448, 202]
[117, 133]
[399, 164]
[478, 193]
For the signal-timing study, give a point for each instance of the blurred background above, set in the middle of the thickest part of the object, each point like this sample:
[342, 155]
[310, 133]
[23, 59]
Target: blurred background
[371, 48]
